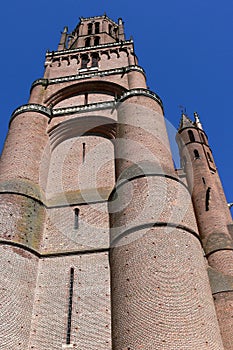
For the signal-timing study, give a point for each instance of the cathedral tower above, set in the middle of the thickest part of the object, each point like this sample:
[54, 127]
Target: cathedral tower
[101, 238]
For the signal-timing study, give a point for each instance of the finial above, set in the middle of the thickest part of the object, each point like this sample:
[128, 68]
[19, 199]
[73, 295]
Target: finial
[197, 120]
[183, 110]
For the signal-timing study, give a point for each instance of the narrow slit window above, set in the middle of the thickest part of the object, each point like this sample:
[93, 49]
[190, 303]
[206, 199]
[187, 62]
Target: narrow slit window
[86, 98]
[89, 31]
[70, 302]
[203, 180]
[196, 154]
[84, 152]
[76, 218]
[207, 199]
[97, 28]
[191, 136]
[110, 29]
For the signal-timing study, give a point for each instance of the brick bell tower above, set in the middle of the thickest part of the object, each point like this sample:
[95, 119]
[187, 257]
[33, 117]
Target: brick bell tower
[100, 247]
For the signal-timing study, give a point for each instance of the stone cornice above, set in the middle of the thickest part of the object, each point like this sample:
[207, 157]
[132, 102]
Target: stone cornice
[85, 49]
[31, 107]
[138, 92]
[97, 17]
[57, 112]
[88, 75]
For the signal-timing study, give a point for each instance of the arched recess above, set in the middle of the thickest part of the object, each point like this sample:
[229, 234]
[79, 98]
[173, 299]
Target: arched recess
[82, 165]
[90, 87]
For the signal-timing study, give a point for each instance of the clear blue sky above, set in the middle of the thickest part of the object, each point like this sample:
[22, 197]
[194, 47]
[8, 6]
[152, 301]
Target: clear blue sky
[185, 47]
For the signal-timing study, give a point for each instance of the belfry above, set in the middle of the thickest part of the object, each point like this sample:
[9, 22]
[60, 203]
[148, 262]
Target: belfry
[104, 244]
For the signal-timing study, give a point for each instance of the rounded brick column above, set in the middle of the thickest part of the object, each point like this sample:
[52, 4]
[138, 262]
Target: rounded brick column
[160, 290]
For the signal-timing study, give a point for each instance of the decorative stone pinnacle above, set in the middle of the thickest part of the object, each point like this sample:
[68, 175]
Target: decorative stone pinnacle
[197, 120]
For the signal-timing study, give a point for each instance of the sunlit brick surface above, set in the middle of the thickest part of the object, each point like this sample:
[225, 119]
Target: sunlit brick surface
[91, 316]
[18, 281]
[162, 299]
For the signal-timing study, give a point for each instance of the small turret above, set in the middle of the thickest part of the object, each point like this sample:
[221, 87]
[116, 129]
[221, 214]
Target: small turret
[121, 32]
[62, 43]
[213, 217]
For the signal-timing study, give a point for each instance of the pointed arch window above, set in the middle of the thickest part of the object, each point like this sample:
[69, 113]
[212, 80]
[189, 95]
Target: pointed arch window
[90, 26]
[84, 61]
[191, 136]
[97, 27]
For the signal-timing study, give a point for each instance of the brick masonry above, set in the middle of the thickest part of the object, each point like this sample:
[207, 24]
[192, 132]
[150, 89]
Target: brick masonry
[101, 239]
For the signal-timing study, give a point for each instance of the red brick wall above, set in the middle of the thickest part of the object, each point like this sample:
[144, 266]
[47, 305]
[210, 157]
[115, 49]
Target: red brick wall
[91, 320]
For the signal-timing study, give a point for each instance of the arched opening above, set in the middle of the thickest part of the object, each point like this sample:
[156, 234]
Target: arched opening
[203, 138]
[84, 61]
[82, 158]
[97, 27]
[87, 42]
[89, 31]
[96, 40]
[196, 154]
[191, 136]
[95, 60]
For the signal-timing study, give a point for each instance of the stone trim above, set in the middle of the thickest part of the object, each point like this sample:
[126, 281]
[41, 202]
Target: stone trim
[52, 255]
[144, 92]
[31, 107]
[46, 82]
[133, 177]
[97, 17]
[85, 108]
[217, 241]
[84, 49]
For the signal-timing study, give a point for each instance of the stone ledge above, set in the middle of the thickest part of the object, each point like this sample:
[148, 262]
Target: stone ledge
[90, 74]
[219, 282]
[81, 49]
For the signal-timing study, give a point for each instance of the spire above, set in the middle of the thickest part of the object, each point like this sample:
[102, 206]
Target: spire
[185, 122]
